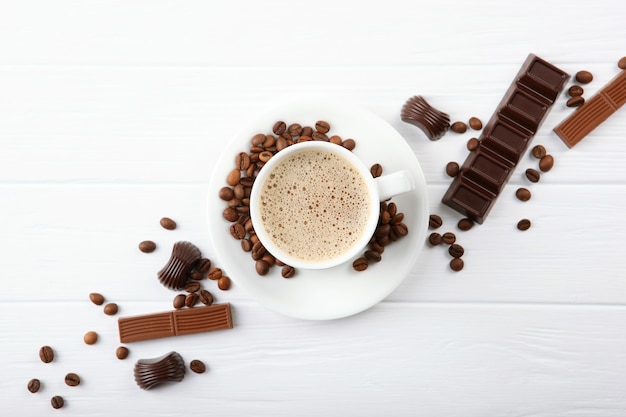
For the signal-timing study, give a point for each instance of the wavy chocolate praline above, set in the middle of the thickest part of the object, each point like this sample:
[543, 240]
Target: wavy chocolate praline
[418, 112]
[150, 373]
[175, 274]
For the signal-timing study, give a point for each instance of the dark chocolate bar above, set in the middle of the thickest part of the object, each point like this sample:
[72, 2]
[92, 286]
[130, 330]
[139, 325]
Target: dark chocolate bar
[594, 111]
[505, 138]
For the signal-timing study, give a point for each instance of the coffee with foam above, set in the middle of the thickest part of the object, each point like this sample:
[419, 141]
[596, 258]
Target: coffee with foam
[315, 205]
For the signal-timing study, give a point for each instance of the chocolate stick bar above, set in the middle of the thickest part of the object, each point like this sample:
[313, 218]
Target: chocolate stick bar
[594, 111]
[505, 138]
[175, 323]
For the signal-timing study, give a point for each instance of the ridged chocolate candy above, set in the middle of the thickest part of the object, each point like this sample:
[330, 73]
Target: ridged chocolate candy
[175, 274]
[418, 112]
[150, 373]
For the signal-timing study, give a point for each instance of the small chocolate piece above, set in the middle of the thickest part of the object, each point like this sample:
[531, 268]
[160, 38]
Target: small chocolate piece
[432, 122]
[34, 385]
[167, 223]
[72, 379]
[175, 323]
[147, 246]
[197, 366]
[458, 127]
[175, 274]
[150, 373]
[584, 77]
[46, 354]
[57, 402]
[593, 112]
[96, 298]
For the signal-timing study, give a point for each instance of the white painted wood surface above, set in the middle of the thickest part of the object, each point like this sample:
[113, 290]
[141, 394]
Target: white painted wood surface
[112, 114]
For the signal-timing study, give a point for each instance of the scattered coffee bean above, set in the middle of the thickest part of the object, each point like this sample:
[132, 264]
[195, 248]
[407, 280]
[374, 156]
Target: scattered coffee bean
[203, 265]
[584, 77]
[523, 224]
[226, 193]
[376, 170]
[435, 239]
[238, 231]
[472, 144]
[197, 366]
[147, 246]
[72, 379]
[349, 144]
[373, 256]
[262, 267]
[191, 299]
[97, 299]
[205, 297]
[458, 127]
[575, 91]
[456, 251]
[46, 354]
[288, 271]
[121, 352]
[279, 127]
[448, 238]
[533, 175]
[435, 221]
[223, 283]
[452, 169]
[167, 223]
[34, 385]
[192, 286]
[322, 126]
[214, 274]
[538, 151]
[621, 64]
[295, 129]
[576, 101]
[233, 177]
[231, 214]
[546, 163]
[110, 309]
[465, 224]
[522, 194]
[360, 264]
[456, 264]
[57, 402]
[179, 301]
[475, 123]
[90, 338]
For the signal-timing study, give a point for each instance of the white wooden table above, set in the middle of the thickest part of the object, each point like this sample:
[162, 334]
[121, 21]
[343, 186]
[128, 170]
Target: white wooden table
[112, 115]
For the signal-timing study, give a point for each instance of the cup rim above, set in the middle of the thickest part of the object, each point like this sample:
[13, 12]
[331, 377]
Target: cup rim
[359, 245]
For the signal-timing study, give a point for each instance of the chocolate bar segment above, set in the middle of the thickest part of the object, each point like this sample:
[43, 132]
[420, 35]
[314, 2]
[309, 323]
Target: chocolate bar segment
[175, 323]
[505, 138]
[593, 112]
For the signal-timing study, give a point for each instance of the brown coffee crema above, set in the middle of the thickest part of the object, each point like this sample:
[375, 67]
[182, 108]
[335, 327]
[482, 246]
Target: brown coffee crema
[315, 205]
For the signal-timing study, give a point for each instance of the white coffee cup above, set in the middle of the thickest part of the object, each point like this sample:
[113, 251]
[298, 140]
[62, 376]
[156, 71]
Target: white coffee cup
[296, 239]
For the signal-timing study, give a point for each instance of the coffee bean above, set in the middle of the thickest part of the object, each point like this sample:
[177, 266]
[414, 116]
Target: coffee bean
[322, 126]
[197, 366]
[237, 231]
[435, 239]
[456, 250]
[147, 246]
[475, 123]
[400, 229]
[230, 214]
[97, 299]
[281, 143]
[226, 193]
[205, 297]
[349, 144]
[372, 255]
[452, 169]
[257, 139]
[458, 127]
[382, 230]
[465, 224]
[121, 352]
[196, 275]
[167, 223]
[523, 224]
[538, 151]
[360, 264]
[203, 265]
[523, 194]
[306, 131]
[398, 218]
[376, 247]
[621, 64]
[110, 309]
[223, 283]
[279, 128]
[34, 385]
[270, 140]
[233, 177]
[192, 287]
[575, 91]
[294, 129]
[72, 379]
[191, 299]
[456, 264]
[533, 175]
[288, 271]
[448, 238]
[376, 170]
[258, 250]
[584, 77]
[305, 138]
[472, 144]
[46, 354]
[90, 338]
[246, 245]
[576, 101]
[265, 156]
[336, 140]
[179, 301]
[57, 402]
[318, 136]
[435, 221]
[546, 163]
[262, 267]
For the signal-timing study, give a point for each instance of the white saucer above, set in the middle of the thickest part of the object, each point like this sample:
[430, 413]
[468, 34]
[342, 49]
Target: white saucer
[340, 291]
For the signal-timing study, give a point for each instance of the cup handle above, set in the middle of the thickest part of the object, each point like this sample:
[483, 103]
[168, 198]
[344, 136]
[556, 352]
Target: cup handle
[393, 184]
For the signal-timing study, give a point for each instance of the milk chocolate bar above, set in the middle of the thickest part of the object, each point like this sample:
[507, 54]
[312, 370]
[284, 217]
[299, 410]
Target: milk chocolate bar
[594, 111]
[175, 323]
[505, 138]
